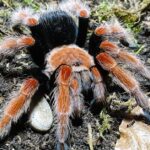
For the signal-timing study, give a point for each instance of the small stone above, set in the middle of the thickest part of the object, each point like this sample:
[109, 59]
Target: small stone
[1, 99]
[41, 117]
[148, 60]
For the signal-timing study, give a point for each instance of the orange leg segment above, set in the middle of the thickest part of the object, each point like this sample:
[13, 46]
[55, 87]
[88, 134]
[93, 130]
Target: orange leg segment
[63, 102]
[18, 105]
[124, 79]
[25, 16]
[9, 45]
[126, 57]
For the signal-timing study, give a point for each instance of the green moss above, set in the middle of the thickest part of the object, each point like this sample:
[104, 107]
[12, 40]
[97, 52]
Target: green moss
[105, 123]
[125, 15]
[129, 16]
[32, 3]
[102, 12]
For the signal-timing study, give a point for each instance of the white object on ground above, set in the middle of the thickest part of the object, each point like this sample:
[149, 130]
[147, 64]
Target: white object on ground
[134, 134]
[41, 117]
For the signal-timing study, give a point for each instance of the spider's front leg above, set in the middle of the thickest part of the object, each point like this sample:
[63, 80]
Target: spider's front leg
[18, 105]
[77, 98]
[124, 79]
[124, 56]
[112, 31]
[63, 105]
[98, 89]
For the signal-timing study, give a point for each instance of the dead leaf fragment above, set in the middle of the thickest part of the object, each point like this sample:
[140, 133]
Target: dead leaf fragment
[136, 136]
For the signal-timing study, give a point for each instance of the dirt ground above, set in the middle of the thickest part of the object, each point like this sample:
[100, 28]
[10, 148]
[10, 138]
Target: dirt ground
[12, 74]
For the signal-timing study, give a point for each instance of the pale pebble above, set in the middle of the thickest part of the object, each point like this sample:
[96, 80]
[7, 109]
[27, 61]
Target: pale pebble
[41, 116]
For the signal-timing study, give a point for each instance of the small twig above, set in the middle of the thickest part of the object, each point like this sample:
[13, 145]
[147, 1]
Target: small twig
[7, 3]
[90, 137]
[140, 49]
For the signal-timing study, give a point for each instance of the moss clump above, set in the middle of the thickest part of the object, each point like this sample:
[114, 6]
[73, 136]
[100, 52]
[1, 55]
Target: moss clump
[102, 12]
[130, 15]
[105, 123]
[32, 3]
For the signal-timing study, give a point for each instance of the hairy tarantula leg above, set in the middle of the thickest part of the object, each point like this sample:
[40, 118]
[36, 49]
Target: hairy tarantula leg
[24, 16]
[18, 105]
[126, 80]
[76, 7]
[10, 45]
[82, 32]
[126, 37]
[99, 35]
[63, 102]
[126, 57]
[110, 30]
[115, 29]
[82, 11]
[77, 98]
[98, 86]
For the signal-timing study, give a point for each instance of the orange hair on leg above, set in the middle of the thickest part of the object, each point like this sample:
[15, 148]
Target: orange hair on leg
[63, 102]
[77, 7]
[10, 45]
[25, 41]
[126, 57]
[127, 81]
[101, 30]
[109, 47]
[25, 16]
[18, 105]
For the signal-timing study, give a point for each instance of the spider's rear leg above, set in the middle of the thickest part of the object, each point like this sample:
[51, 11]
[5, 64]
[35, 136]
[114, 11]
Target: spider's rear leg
[82, 11]
[10, 45]
[24, 16]
[126, 57]
[63, 103]
[18, 105]
[124, 79]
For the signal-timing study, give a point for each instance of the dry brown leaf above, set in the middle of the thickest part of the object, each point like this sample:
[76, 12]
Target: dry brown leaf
[134, 135]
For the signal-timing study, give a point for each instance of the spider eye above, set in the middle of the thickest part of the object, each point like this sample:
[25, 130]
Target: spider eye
[77, 63]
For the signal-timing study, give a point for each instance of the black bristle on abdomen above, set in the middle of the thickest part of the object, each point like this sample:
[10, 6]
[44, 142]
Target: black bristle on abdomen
[94, 44]
[82, 33]
[55, 28]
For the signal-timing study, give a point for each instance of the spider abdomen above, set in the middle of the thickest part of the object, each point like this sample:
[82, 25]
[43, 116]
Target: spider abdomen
[55, 28]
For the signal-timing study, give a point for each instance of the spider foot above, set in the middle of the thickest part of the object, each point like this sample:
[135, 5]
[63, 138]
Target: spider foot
[62, 146]
[96, 106]
[77, 121]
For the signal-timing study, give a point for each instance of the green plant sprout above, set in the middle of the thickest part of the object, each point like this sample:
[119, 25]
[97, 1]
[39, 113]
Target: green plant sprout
[105, 125]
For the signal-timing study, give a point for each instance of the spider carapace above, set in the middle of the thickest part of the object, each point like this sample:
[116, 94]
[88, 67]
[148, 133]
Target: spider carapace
[56, 47]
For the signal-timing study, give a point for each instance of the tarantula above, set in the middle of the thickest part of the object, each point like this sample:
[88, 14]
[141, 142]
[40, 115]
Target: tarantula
[56, 38]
